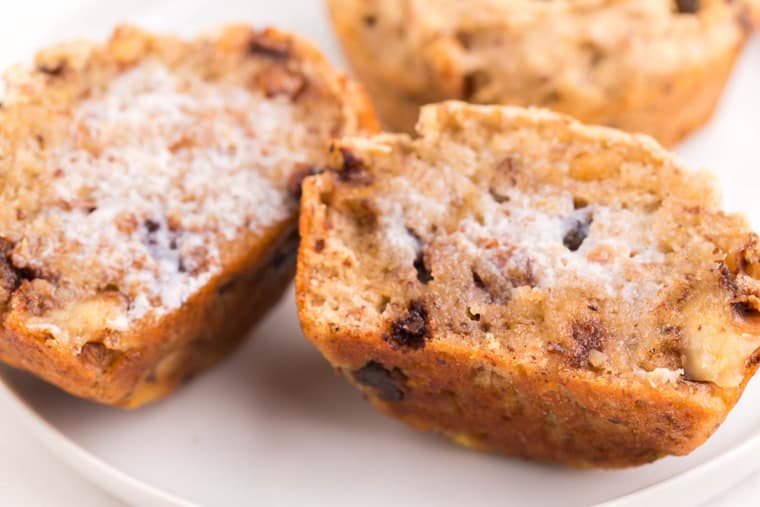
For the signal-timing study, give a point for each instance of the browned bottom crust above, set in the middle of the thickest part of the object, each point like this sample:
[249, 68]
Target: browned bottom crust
[194, 337]
[476, 403]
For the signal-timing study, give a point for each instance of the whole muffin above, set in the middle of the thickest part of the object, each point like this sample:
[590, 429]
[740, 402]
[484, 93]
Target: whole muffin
[651, 66]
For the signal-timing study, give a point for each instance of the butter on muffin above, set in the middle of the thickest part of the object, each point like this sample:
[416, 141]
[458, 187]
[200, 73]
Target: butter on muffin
[526, 284]
[147, 207]
[651, 66]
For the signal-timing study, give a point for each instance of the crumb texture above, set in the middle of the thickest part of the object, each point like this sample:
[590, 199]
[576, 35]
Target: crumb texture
[652, 66]
[151, 176]
[519, 249]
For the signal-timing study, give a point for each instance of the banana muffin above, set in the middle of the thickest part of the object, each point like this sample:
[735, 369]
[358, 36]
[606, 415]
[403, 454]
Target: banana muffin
[148, 189]
[522, 283]
[651, 66]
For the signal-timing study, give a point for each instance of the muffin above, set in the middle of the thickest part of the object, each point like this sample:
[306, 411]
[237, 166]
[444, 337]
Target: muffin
[149, 200]
[651, 66]
[522, 283]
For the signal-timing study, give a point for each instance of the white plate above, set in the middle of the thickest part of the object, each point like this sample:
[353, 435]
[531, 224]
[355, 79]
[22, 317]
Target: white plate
[275, 425]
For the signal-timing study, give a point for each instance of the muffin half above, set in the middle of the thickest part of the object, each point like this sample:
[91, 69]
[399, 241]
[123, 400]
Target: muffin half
[523, 283]
[148, 189]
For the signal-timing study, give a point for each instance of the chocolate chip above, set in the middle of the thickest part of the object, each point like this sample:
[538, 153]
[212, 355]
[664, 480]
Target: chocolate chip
[53, 70]
[264, 44]
[353, 170]
[469, 86]
[423, 273]
[279, 81]
[411, 330]
[299, 174]
[577, 232]
[579, 203]
[688, 6]
[587, 336]
[283, 257]
[745, 311]
[370, 20]
[479, 283]
[499, 197]
[286, 252]
[386, 383]
[473, 82]
[364, 213]
[151, 225]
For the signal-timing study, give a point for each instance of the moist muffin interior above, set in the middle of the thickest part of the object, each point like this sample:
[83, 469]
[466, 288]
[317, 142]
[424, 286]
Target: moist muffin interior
[128, 185]
[540, 247]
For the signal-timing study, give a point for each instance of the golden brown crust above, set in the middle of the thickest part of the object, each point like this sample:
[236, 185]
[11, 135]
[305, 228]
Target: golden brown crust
[67, 325]
[513, 370]
[173, 349]
[639, 66]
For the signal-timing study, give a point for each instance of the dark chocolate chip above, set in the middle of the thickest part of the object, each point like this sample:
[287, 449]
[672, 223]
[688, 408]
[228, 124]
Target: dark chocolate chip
[53, 70]
[473, 82]
[286, 252]
[370, 20]
[479, 283]
[386, 383]
[264, 45]
[411, 330]
[364, 213]
[579, 203]
[688, 6]
[151, 225]
[469, 86]
[499, 197]
[298, 176]
[280, 81]
[283, 257]
[577, 232]
[423, 273]
[353, 170]
[745, 311]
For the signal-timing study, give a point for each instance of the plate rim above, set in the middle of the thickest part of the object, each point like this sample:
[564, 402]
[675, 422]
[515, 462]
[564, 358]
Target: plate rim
[722, 469]
[94, 469]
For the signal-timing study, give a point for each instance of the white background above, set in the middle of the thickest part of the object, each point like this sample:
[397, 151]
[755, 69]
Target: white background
[29, 475]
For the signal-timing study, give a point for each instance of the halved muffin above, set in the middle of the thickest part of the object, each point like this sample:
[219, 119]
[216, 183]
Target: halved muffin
[523, 283]
[148, 200]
